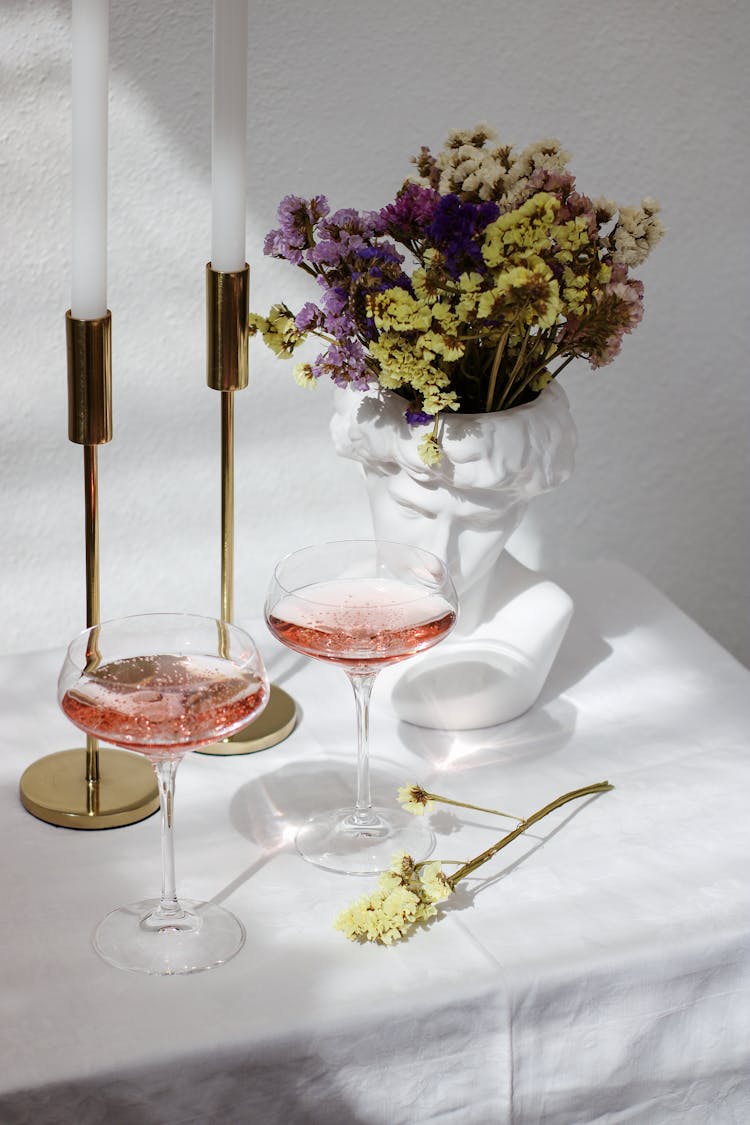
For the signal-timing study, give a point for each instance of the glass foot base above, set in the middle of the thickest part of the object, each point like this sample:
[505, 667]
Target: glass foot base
[355, 843]
[202, 937]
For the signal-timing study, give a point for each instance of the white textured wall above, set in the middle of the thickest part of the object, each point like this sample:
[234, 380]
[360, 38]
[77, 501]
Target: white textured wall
[651, 98]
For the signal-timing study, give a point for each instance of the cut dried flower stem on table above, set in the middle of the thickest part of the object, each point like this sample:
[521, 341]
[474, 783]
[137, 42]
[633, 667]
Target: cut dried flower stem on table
[409, 891]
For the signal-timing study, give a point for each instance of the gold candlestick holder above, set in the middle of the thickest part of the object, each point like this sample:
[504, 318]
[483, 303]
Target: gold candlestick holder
[227, 307]
[83, 787]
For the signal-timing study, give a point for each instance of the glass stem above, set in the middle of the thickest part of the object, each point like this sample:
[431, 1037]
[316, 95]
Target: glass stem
[362, 685]
[165, 771]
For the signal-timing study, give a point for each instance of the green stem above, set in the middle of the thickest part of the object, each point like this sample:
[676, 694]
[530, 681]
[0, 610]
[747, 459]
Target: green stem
[473, 864]
[495, 368]
[522, 386]
[323, 336]
[516, 368]
[479, 808]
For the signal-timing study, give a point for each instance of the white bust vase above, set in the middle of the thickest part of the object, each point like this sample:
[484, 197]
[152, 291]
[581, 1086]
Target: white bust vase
[511, 621]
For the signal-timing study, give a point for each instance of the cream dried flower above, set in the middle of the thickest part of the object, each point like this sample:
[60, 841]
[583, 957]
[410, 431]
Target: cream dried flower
[303, 375]
[435, 883]
[406, 896]
[429, 450]
[414, 799]
[636, 232]
[460, 138]
[548, 154]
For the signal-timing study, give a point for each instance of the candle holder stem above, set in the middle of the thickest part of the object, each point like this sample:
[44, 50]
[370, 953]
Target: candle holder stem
[227, 307]
[91, 534]
[72, 788]
[227, 505]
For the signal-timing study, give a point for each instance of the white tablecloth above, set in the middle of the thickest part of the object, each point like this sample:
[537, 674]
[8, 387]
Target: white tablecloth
[596, 971]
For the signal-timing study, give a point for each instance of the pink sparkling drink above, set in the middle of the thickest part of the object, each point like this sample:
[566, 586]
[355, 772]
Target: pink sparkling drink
[164, 705]
[361, 623]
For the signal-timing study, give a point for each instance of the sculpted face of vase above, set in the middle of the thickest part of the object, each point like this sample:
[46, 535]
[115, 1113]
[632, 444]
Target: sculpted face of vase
[465, 508]
[467, 527]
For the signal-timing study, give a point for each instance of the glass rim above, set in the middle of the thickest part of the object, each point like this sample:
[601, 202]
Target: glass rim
[290, 591]
[176, 615]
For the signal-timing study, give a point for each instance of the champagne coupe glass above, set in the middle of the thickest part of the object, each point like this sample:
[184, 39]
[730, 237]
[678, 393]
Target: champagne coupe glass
[362, 605]
[163, 684]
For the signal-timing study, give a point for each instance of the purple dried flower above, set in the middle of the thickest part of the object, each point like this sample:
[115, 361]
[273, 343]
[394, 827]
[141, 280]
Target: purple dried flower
[410, 215]
[418, 417]
[337, 318]
[348, 221]
[344, 363]
[308, 317]
[455, 229]
[297, 218]
[277, 245]
[383, 252]
[328, 253]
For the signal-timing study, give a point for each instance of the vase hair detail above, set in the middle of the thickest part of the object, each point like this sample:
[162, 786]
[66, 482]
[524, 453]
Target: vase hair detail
[527, 450]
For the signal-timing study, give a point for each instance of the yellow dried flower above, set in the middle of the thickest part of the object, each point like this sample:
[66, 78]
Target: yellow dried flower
[401, 364]
[435, 884]
[526, 230]
[429, 450]
[434, 344]
[405, 896]
[571, 237]
[397, 311]
[303, 375]
[414, 799]
[527, 294]
[256, 324]
[436, 399]
[279, 331]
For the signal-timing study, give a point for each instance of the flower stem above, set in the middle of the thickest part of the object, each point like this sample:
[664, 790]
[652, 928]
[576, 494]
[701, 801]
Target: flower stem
[479, 808]
[516, 368]
[522, 386]
[495, 368]
[473, 864]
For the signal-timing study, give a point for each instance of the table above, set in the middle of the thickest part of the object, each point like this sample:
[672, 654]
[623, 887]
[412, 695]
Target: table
[596, 971]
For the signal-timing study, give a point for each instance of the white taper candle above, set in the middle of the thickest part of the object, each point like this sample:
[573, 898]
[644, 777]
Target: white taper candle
[90, 112]
[228, 178]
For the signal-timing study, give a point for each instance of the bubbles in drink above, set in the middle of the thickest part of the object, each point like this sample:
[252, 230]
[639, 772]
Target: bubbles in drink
[163, 705]
[364, 623]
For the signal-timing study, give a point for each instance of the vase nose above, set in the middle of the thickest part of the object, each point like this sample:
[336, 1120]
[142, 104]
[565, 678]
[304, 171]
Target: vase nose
[468, 530]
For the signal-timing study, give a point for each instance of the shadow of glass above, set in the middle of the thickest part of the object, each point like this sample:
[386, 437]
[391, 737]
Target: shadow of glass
[270, 809]
[538, 734]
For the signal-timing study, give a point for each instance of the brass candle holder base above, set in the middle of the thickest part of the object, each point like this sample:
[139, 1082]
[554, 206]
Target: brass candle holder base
[275, 723]
[54, 789]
